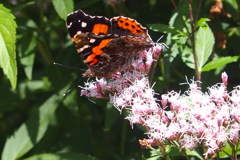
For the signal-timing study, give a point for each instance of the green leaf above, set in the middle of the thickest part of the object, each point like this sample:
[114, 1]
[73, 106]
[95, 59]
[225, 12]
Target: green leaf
[202, 22]
[204, 45]
[152, 3]
[112, 114]
[7, 45]
[194, 153]
[154, 158]
[63, 7]
[31, 132]
[62, 156]
[154, 154]
[162, 28]
[219, 62]
[22, 6]
[187, 57]
[27, 53]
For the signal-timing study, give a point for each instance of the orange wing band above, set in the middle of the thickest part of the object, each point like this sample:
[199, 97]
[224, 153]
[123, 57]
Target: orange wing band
[97, 51]
[100, 28]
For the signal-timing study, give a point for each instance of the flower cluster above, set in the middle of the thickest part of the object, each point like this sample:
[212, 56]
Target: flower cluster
[136, 73]
[196, 119]
[187, 120]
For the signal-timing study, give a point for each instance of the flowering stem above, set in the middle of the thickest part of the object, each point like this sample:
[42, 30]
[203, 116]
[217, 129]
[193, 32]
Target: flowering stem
[192, 39]
[232, 157]
[162, 148]
[191, 36]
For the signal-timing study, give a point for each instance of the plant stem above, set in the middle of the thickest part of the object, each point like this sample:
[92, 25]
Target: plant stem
[198, 11]
[191, 36]
[123, 138]
[192, 39]
[180, 16]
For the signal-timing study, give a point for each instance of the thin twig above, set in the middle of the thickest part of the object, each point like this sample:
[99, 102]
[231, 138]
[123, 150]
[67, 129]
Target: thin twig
[180, 16]
[192, 38]
[198, 11]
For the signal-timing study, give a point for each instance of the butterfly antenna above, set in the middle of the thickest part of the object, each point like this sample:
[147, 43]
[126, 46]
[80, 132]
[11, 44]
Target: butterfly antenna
[68, 66]
[72, 87]
[159, 39]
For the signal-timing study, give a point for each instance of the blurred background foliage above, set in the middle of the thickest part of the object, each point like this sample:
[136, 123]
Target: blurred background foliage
[37, 122]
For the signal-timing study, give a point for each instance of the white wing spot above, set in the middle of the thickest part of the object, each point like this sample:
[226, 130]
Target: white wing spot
[92, 40]
[68, 26]
[85, 46]
[80, 50]
[84, 24]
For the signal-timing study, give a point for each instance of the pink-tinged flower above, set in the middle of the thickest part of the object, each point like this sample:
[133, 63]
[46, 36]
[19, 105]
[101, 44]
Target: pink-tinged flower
[189, 142]
[234, 133]
[190, 119]
[235, 96]
[224, 78]
[157, 50]
[164, 100]
[218, 94]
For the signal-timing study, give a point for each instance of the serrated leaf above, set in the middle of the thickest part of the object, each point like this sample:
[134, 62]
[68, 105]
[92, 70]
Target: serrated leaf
[7, 45]
[219, 62]
[31, 132]
[162, 28]
[61, 156]
[63, 7]
[204, 45]
[27, 53]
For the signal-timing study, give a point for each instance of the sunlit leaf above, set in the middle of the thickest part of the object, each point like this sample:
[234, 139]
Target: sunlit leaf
[27, 53]
[204, 45]
[31, 132]
[62, 156]
[194, 153]
[219, 62]
[7, 45]
[162, 28]
[202, 22]
[187, 57]
[63, 7]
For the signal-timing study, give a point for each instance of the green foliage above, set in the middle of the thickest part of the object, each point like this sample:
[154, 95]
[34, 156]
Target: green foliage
[7, 45]
[63, 7]
[19, 144]
[26, 51]
[204, 45]
[37, 122]
[222, 61]
[61, 156]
